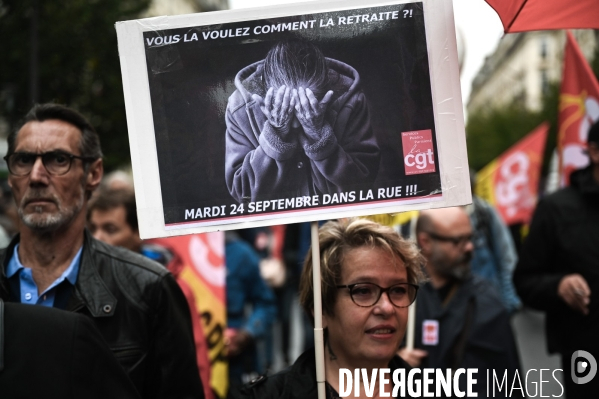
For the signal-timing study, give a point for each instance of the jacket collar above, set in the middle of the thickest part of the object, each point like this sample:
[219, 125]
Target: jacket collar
[453, 311]
[90, 290]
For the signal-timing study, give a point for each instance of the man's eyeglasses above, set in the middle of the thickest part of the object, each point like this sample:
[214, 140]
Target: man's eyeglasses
[56, 162]
[368, 294]
[458, 241]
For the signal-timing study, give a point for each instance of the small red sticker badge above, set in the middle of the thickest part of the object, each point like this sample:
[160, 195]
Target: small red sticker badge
[418, 154]
[430, 332]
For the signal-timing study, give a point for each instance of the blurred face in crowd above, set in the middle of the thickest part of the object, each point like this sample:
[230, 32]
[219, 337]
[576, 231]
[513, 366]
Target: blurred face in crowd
[368, 336]
[45, 201]
[593, 150]
[448, 245]
[111, 227]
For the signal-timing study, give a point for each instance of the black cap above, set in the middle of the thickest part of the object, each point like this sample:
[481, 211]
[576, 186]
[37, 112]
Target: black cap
[594, 133]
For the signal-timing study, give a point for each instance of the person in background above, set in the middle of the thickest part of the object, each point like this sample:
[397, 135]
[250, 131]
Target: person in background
[117, 180]
[303, 247]
[52, 354]
[494, 257]
[275, 247]
[460, 321]
[55, 163]
[369, 277]
[558, 270]
[245, 287]
[8, 215]
[4, 237]
[112, 218]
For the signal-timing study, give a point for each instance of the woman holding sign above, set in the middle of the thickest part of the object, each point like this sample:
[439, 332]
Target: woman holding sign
[298, 125]
[369, 277]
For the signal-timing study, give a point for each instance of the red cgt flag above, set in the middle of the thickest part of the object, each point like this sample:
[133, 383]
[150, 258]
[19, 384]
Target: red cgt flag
[198, 265]
[578, 109]
[510, 182]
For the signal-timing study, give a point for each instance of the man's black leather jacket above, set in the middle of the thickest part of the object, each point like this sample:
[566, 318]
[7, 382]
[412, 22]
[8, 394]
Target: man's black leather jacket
[141, 312]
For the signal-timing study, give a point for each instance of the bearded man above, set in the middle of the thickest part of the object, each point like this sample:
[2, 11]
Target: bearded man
[460, 319]
[55, 163]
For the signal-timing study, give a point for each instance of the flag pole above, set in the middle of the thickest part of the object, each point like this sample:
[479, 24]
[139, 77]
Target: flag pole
[318, 332]
[411, 329]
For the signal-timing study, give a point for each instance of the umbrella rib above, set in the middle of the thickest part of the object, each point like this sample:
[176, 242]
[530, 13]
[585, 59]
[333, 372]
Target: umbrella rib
[516, 16]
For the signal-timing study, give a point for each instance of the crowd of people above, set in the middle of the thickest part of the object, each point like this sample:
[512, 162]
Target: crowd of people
[114, 319]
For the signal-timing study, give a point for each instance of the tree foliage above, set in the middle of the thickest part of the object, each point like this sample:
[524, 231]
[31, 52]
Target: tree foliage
[490, 132]
[78, 63]
[493, 131]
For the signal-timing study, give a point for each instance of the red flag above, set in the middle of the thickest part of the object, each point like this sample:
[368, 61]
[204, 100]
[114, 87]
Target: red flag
[511, 181]
[198, 264]
[578, 109]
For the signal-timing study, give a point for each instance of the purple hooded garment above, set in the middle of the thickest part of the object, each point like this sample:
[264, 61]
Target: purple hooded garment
[260, 166]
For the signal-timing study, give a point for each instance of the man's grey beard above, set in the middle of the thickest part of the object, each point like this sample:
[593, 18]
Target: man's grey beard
[47, 223]
[458, 269]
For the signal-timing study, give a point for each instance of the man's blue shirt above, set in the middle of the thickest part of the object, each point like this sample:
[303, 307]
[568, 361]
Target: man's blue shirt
[29, 291]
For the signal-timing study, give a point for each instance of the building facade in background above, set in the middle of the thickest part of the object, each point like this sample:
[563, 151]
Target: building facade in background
[522, 68]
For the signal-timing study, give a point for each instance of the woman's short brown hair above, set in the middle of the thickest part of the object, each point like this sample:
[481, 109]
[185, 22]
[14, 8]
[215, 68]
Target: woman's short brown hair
[336, 239]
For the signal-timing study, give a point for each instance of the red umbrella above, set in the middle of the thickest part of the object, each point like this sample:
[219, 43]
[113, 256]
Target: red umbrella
[527, 15]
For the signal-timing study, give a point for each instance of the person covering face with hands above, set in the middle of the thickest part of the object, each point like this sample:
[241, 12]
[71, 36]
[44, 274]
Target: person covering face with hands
[297, 125]
[292, 108]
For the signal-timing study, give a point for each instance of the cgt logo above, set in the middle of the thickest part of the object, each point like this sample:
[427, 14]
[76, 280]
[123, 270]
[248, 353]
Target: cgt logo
[421, 160]
[418, 153]
[580, 362]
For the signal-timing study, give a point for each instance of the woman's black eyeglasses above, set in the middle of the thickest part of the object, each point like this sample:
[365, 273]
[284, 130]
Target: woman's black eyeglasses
[365, 295]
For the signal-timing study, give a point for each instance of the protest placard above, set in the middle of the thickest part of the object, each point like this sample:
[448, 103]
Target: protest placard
[293, 113]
